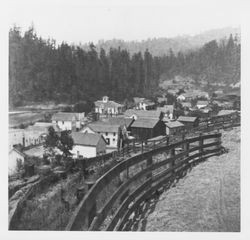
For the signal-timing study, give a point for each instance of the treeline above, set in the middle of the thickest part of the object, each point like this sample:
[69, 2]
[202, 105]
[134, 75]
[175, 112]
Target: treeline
[40, 71]
[160, 46]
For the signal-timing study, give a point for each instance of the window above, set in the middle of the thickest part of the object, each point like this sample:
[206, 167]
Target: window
[114, 134]
[62, 122]
[106, 134]
[78, 153]
[113, 139]
[107, 140]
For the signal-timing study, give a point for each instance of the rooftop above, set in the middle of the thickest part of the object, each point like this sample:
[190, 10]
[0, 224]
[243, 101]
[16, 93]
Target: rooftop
[145, 123]
[143, 113]
[87, 139]
[186, 119]
[225, 112]
[109, 104]
[101, 127]
[66, 116]
[174, 124]
[122, 121]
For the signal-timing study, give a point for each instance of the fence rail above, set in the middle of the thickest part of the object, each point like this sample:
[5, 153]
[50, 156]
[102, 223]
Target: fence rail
[137, 147]
[91, 216]
[120, 192]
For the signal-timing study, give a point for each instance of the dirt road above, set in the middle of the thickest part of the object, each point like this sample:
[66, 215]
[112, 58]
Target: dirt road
[207, 199]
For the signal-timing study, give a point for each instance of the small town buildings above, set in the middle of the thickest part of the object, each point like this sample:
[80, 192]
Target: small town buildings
[145, 128]
[168, 111]
[15, 158]
[162, 100]
[226, 112]
[202, 104]
[189, 121]
[174, 127]
[181, 98]
[144, 104]
[25, 137]
[135, 114]
[111, 132]
[68, 120]
[88, 145]
[186, 105]
[107, 107]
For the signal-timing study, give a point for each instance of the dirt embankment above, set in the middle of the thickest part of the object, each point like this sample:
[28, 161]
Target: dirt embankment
[207, 199]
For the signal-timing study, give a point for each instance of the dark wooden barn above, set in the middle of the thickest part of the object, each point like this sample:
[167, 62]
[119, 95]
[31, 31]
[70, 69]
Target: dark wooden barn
[143, 128]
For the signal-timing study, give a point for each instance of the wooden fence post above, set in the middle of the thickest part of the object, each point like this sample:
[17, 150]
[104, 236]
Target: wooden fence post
[201, 141]
[141, 146]
[183, 138]
[172, 163]
[92, 212]
[134, 145]
[149, 163]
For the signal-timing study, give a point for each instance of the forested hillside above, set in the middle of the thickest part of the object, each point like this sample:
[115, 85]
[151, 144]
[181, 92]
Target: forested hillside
[161, 46]
[40, 70]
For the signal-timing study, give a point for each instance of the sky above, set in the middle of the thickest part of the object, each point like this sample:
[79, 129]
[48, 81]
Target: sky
[89, 21]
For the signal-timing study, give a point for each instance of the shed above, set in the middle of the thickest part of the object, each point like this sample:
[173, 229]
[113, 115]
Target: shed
[145, 128]
[174, 127]
[189, 121]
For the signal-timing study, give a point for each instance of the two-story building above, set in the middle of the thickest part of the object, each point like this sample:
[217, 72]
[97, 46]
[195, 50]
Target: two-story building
[88, 145]
[68, 120]
[144, 104]
[108, 107]
[111, 132]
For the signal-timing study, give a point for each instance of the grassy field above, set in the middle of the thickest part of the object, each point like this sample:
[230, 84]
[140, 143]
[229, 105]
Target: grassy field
[207, 199]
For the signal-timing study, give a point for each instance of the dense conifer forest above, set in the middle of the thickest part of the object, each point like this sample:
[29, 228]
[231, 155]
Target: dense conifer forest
[41, 70]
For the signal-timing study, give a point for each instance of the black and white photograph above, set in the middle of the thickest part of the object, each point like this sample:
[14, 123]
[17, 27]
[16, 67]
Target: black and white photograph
[125, 116]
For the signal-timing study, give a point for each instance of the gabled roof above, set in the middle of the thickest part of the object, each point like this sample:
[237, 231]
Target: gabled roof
[109, 104]
[174, 124]
[187, 119]
[143, 113]
[104, 127]
[226, 112]
[66, 116]
[17, 151]
[144, 123]
[122, 121]
[86, 139]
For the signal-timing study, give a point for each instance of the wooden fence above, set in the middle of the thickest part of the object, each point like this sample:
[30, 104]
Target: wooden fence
[119, 193]
[137, 147]
[138, 178]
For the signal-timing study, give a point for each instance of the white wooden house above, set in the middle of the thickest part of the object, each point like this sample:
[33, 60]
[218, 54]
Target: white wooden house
[68, 120]
[88, 145]
[110, 132]
[108, 107]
